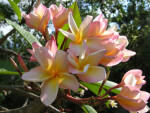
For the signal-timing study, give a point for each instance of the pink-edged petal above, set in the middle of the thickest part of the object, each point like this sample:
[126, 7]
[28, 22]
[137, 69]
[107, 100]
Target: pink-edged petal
[76, 48]
[84, 27]
[130, 80]
[49, 90]
[40, 10]
[127, 54]
[44, 57]
[94, 29]
[107, 61]
[35, 45]
[68, 81]
[61, 63]
[144, 110]
[31, 51]
[106, 34]
[32, 21]
[23, 15]
[123, 40]
[61, 18]
[145, 96]
[94, 44]
[94, 58]
[51, 45]
[37, 74]
[72, 25]
[68, 35]
[98, 18]
[113, 28]
[103, 26]
[94, 74]
[33, 59]
[44, 21]
[53, 10]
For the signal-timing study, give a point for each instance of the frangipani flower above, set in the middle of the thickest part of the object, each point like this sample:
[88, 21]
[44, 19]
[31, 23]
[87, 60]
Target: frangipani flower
[130, 98]
[145, 96]
[53, 72]
[116, 51]
[85, 67]
[59, 15]
[38, 19]
[134, 78]
[80, 34]
[98, 28]
[51, 45]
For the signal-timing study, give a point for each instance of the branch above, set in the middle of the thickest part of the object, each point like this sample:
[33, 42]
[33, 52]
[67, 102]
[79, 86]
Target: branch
[33, 107]
[12, 53]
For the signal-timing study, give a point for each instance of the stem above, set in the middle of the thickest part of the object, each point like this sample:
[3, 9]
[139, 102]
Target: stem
[117, 86]
[101, 87]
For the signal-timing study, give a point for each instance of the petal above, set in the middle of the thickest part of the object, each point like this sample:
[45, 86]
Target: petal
[98, 18]
[84, 27]
[53, 10]
[94, 44]
[72, 25]
[40, 10]
[32, 21]
[94, 58]
[36, 74]
[35, 45]
[75, 48]
[94, 29]
[113, 28]
[68, 81]
[145, 96]
[123, 40]
[130, 80]
[68, 35]
[106, 34]
[94, 74]
[103, 26]
[127, 55]
[144, 110]
[44, 57]
[44, 21]
[49, 90]
[61, 63]
[108, 61]
[51, 45]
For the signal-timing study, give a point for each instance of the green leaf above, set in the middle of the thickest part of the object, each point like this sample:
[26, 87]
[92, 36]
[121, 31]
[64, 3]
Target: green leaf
[60, 37]
[76, 13]
[93, 87]
[16, 1]
[26, 35]
[88, 109]
[4, 71]
[16, 9]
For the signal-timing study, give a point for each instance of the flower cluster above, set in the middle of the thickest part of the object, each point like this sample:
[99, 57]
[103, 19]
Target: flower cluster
[92, 47]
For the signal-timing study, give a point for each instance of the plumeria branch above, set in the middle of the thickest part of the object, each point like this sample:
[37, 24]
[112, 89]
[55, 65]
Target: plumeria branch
[34, 107]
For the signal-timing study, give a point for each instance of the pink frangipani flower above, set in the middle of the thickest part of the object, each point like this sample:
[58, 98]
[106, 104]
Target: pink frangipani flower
[131, 98]
[134, 78]
[38, 19]
[85, 67]
[52, 72]
[80, 34]
[59, 15]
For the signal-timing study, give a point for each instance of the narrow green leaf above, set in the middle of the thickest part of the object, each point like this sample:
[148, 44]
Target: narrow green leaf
[4, 71]
[88, 109]
[26, 35]
[16, 9]
[76, 13]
